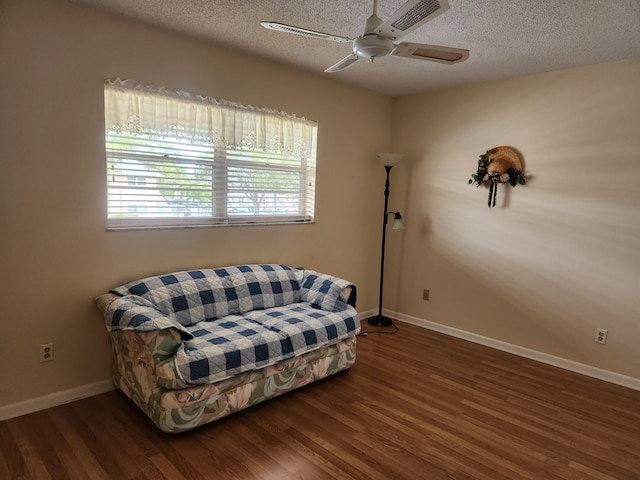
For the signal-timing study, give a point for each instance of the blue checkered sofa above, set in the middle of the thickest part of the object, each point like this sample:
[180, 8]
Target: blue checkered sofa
[193, 346]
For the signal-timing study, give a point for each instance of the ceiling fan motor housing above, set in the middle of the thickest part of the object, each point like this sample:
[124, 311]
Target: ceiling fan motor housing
[372, 45]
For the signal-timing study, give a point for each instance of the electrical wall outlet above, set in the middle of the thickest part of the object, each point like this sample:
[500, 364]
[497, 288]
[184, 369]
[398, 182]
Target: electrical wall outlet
[46, 352]
[425, 294]
[601, 335]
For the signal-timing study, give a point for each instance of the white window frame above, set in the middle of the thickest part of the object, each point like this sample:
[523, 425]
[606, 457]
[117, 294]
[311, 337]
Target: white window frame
[139, 146]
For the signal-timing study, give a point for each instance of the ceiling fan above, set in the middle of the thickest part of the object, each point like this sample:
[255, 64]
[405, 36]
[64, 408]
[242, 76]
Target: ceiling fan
[378, 38]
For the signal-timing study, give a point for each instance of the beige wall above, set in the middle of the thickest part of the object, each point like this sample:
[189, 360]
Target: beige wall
[563, 256]
[558, 261]
[56, 255]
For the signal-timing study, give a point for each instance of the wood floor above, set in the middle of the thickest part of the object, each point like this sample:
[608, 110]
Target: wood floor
[417, 405]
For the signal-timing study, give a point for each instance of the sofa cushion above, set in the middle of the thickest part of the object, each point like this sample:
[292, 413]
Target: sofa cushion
[235, 344]
[189, 297]
[265, 286]
[325, 291]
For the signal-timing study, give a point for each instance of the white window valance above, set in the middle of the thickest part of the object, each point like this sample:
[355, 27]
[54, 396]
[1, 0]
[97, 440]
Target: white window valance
[132, 107]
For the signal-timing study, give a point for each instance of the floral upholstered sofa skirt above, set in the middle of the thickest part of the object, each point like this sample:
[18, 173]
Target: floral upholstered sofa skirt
[194, 346]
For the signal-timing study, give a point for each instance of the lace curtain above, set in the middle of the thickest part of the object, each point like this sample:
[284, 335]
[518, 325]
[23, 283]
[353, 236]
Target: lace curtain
[157, 112]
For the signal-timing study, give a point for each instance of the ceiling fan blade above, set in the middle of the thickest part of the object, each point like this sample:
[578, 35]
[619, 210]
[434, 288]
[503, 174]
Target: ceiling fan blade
[281, 27]
[410, 16]
[342, 64]
[433, 53]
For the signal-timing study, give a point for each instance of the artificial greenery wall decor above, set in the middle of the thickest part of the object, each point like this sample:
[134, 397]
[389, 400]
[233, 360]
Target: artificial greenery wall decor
[498, 165]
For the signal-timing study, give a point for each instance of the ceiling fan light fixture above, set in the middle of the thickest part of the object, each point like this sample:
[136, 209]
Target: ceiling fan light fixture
[372, 46]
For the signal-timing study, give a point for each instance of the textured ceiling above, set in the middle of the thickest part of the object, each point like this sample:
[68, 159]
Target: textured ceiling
[506, 38]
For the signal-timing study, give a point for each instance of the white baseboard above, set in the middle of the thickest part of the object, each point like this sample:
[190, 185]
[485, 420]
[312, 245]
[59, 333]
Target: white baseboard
[84, 391]
[54, 399]
[370, 313]
[560, 362]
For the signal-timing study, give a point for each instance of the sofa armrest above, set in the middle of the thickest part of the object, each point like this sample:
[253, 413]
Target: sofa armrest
[348, 294]
[144, 343]
[132, 312]
[327, 292]
[156, 346]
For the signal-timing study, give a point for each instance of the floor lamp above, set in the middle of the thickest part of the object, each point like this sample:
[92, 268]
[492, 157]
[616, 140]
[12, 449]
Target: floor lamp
[388, 160]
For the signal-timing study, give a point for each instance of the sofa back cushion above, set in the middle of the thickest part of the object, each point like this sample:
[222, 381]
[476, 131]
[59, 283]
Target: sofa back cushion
[189, 297]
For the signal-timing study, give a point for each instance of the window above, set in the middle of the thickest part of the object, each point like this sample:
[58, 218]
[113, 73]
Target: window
[174, 160]
[137, 180]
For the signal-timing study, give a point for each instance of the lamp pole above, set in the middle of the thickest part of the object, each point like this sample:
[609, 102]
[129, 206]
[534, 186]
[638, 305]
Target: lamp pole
[379, 319]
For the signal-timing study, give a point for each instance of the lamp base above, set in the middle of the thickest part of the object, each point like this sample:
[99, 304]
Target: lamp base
[380, 321]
